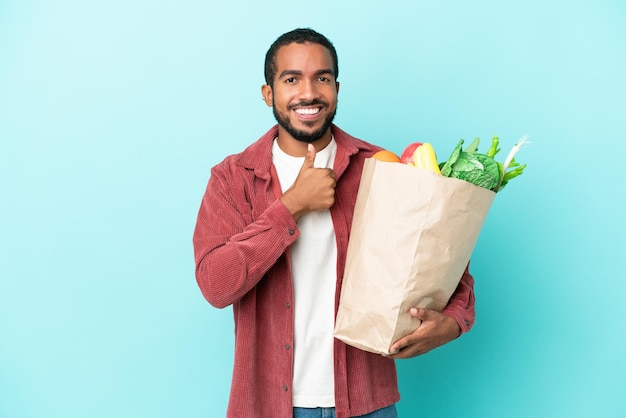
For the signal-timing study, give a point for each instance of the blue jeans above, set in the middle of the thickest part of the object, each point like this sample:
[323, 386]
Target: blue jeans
[388, 412]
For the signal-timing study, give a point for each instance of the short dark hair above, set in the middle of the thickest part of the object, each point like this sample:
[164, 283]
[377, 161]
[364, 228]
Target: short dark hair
[300, 36]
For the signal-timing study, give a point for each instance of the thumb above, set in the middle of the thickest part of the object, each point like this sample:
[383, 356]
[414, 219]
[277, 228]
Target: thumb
[419, 313]
[309, 159]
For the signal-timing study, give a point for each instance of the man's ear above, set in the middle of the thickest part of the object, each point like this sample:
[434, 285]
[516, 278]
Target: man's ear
[337, 86]
[268, 96]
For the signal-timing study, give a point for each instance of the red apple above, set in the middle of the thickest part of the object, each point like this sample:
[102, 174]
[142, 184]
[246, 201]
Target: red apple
[407, 154]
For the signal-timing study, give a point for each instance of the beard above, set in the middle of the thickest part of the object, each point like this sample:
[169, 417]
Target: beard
[304, 136]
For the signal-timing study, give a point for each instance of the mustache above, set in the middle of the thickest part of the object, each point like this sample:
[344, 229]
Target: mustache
[314, 102]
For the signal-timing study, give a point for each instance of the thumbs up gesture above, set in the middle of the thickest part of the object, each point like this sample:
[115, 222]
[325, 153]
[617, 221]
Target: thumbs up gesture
[313, 189]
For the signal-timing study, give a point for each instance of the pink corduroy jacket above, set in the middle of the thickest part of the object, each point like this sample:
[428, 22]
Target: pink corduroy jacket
[241, 244]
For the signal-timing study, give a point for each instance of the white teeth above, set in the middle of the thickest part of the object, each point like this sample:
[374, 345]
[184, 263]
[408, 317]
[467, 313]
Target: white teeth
[308, 111]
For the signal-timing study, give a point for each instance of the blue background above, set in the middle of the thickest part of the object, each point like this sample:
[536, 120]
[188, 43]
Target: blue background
[112, 113]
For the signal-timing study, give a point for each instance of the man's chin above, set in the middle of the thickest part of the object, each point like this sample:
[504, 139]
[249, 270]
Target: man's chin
[309, 133]
[304, 136]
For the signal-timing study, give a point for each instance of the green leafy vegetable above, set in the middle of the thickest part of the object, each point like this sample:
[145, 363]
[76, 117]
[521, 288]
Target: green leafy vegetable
[482, 169]
[473, 147]
[446, 169]
[478, 169]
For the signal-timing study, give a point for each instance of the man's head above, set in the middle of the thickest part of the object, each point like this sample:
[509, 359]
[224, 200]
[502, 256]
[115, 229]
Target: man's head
[299, 36]
[301, 75]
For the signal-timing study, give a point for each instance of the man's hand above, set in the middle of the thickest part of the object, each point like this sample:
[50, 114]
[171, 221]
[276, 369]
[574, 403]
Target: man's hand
[435, 330]
[313, 189]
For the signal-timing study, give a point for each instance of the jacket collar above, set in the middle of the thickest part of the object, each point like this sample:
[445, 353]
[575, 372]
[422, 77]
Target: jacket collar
[258, 156]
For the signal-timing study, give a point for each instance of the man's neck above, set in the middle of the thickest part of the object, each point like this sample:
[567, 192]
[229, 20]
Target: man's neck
[295, 148]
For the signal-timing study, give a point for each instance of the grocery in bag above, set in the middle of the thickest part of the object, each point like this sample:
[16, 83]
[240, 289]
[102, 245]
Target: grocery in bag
[412, 237]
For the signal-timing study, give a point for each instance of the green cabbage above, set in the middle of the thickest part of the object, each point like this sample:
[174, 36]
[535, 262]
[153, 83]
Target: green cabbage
[482, 169]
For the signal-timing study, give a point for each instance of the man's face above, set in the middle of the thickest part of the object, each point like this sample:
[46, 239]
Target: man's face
[304, 95]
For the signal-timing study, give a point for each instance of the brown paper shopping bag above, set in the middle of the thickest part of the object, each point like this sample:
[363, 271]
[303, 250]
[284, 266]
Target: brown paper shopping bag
[412, 236]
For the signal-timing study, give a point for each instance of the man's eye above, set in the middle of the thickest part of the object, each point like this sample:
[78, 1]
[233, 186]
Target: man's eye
[290, 80]
[324, 79]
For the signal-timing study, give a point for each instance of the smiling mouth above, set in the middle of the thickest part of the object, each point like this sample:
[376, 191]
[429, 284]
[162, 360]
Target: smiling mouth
[307, 111]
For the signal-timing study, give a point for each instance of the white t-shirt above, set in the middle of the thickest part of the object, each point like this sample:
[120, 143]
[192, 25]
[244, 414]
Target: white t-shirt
[314, 270]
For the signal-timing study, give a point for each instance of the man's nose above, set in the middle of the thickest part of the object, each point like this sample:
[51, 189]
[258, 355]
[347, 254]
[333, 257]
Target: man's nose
[308, 90]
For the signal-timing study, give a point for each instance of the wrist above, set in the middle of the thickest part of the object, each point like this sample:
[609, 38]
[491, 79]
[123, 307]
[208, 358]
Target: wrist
[294, 209]
[453, 327]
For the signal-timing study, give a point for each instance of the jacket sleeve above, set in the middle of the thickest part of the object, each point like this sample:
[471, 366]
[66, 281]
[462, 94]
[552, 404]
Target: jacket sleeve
[461, 304]
[232, 250]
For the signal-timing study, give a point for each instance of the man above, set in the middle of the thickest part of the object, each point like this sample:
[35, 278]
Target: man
[271, 240]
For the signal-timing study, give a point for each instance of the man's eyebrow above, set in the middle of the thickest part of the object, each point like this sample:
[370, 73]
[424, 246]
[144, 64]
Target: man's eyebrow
[328, 71]
[297, 72]
[289, 72]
